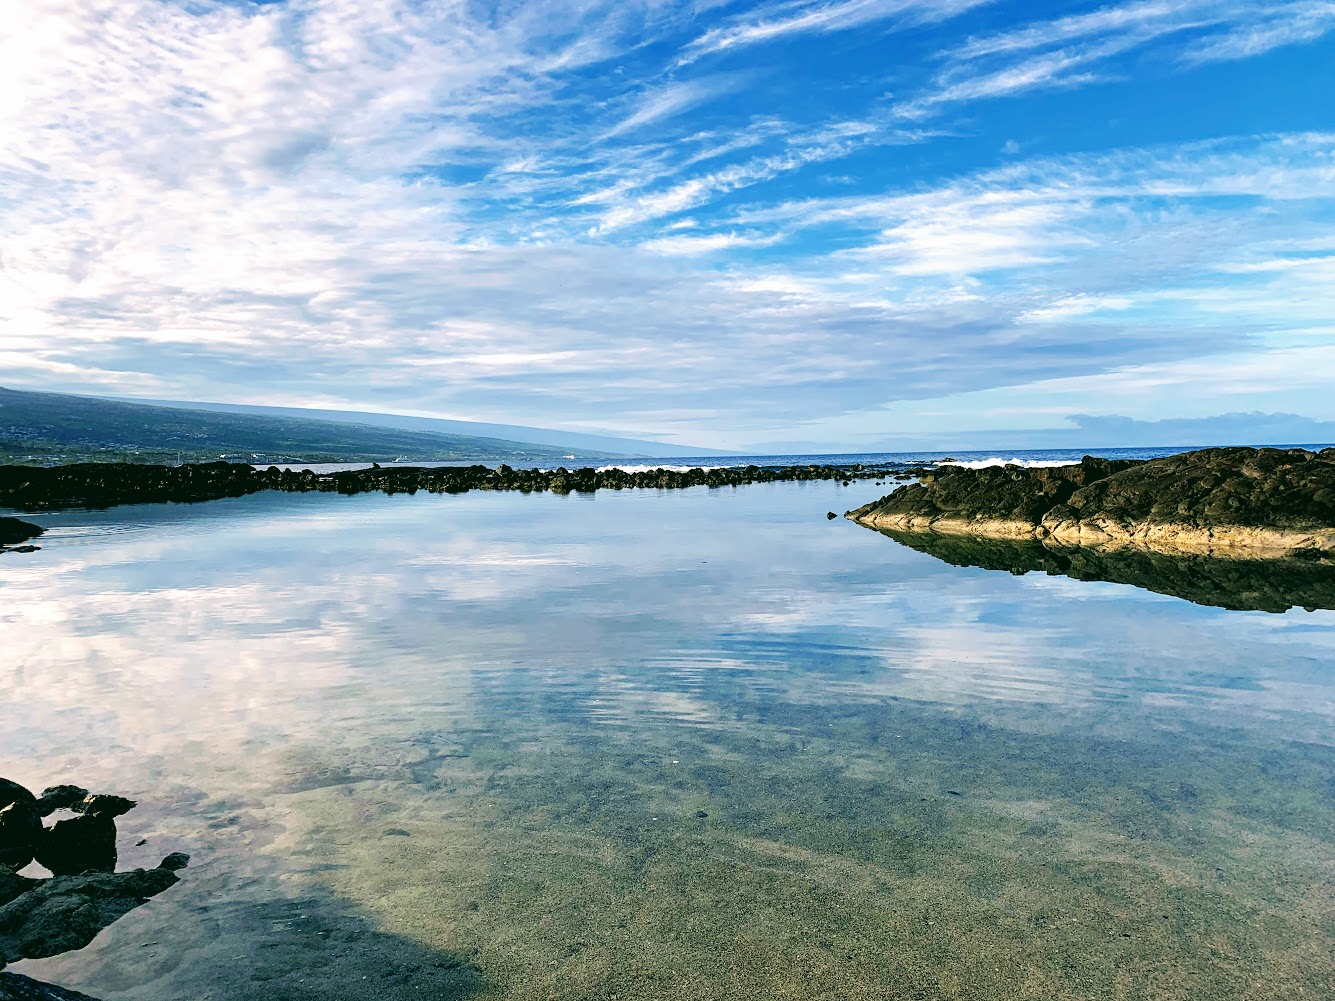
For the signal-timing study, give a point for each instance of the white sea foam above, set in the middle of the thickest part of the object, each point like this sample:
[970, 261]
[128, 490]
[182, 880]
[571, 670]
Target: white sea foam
[998, 461]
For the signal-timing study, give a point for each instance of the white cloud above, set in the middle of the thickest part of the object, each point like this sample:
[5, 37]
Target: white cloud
[785, 19]
[1080, 49]
[403, 203]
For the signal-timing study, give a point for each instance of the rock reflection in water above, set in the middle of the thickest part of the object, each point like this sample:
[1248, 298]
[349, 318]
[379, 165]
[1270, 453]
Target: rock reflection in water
[1273, 585]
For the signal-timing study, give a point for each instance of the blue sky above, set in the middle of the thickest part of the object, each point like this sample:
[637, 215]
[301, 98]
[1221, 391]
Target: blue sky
[795, 224]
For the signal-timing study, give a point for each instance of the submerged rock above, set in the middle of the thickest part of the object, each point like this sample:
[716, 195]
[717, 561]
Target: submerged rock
[15, 987]
[66, 913]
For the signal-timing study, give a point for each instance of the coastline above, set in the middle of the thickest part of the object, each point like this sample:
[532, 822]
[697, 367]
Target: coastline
[1258, 503]
[1163, 538]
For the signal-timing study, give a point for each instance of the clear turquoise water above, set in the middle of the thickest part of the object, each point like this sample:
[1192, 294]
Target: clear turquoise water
[459, 746]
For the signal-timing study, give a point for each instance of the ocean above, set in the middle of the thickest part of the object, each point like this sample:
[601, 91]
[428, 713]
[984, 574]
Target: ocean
[654, 744]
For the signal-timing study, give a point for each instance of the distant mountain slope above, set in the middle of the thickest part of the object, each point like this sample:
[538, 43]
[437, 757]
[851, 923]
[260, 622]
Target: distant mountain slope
[566, 440]
[44, 427]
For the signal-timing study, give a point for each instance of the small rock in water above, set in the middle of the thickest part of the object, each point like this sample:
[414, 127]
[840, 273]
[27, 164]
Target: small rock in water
[830, 516]
[82, 844]
[20, 831]
[701, 814]
[397, 832]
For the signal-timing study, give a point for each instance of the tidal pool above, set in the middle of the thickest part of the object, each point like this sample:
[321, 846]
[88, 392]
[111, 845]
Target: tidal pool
[646, 745]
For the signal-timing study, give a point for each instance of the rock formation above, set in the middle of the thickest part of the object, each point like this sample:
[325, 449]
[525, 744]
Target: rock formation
[1264, 502]
[45, 917]
[101, 485]
[14, 532]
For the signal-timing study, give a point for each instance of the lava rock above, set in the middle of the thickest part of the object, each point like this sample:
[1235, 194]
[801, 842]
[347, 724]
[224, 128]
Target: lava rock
[12, 792]
[13, 886]
[20, 832]
[175, 862]
[66, 913]
[104, 806]
[55, 798]
[79, 845]
[14, 531]
[15, 987]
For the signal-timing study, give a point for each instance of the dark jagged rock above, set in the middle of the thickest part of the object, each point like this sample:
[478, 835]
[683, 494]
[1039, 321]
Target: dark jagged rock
[66, 913]
[20, 833]
[12, 792]
[13, 885]
[78, 845]
[1268, 585]
[104, 806]
[102, 485]
[14, 532]
[175, 862]
[15, 987]
[56, 798]
[1267, 501]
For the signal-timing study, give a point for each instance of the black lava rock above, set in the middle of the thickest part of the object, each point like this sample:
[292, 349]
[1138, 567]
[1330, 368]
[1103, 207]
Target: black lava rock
[13, 532]
[79, 845]
[20, 832]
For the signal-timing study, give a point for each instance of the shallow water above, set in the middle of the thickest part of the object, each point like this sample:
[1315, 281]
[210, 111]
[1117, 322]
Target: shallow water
[681, 744]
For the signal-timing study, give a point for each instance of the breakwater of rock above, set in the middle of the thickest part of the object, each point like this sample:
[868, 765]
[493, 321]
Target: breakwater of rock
[104, 485]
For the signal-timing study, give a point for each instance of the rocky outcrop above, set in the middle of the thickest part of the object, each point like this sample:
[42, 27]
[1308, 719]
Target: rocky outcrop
[15, 532]
[102, 485]
[1260, 502]
[45, 917]
[65, 913]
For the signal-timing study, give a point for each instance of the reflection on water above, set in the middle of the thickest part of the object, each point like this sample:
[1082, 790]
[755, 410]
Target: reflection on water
[1261, 585]
[663, 745]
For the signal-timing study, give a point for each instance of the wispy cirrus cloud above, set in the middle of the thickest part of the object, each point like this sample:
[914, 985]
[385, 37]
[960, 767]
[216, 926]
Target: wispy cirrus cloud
[1080, 49]
[780, 20]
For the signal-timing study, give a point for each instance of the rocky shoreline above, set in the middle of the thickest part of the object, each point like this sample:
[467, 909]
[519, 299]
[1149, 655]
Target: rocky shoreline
[43, 917]
[104, 485]
[1261, 503]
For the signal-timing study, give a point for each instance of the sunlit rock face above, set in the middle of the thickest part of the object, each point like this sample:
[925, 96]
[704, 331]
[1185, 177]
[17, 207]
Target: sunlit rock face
[1263, 502]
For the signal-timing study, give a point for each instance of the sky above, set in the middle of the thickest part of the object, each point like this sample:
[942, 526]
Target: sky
[808, 224]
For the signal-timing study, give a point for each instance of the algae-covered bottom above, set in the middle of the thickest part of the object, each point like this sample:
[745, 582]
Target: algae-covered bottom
[689, 744]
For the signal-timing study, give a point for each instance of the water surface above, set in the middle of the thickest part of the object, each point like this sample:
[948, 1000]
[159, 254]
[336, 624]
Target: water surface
[679, 744]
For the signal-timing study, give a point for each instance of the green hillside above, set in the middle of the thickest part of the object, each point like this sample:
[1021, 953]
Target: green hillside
[41, 428]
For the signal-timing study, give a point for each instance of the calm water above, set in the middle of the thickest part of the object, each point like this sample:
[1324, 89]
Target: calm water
[690, 744]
